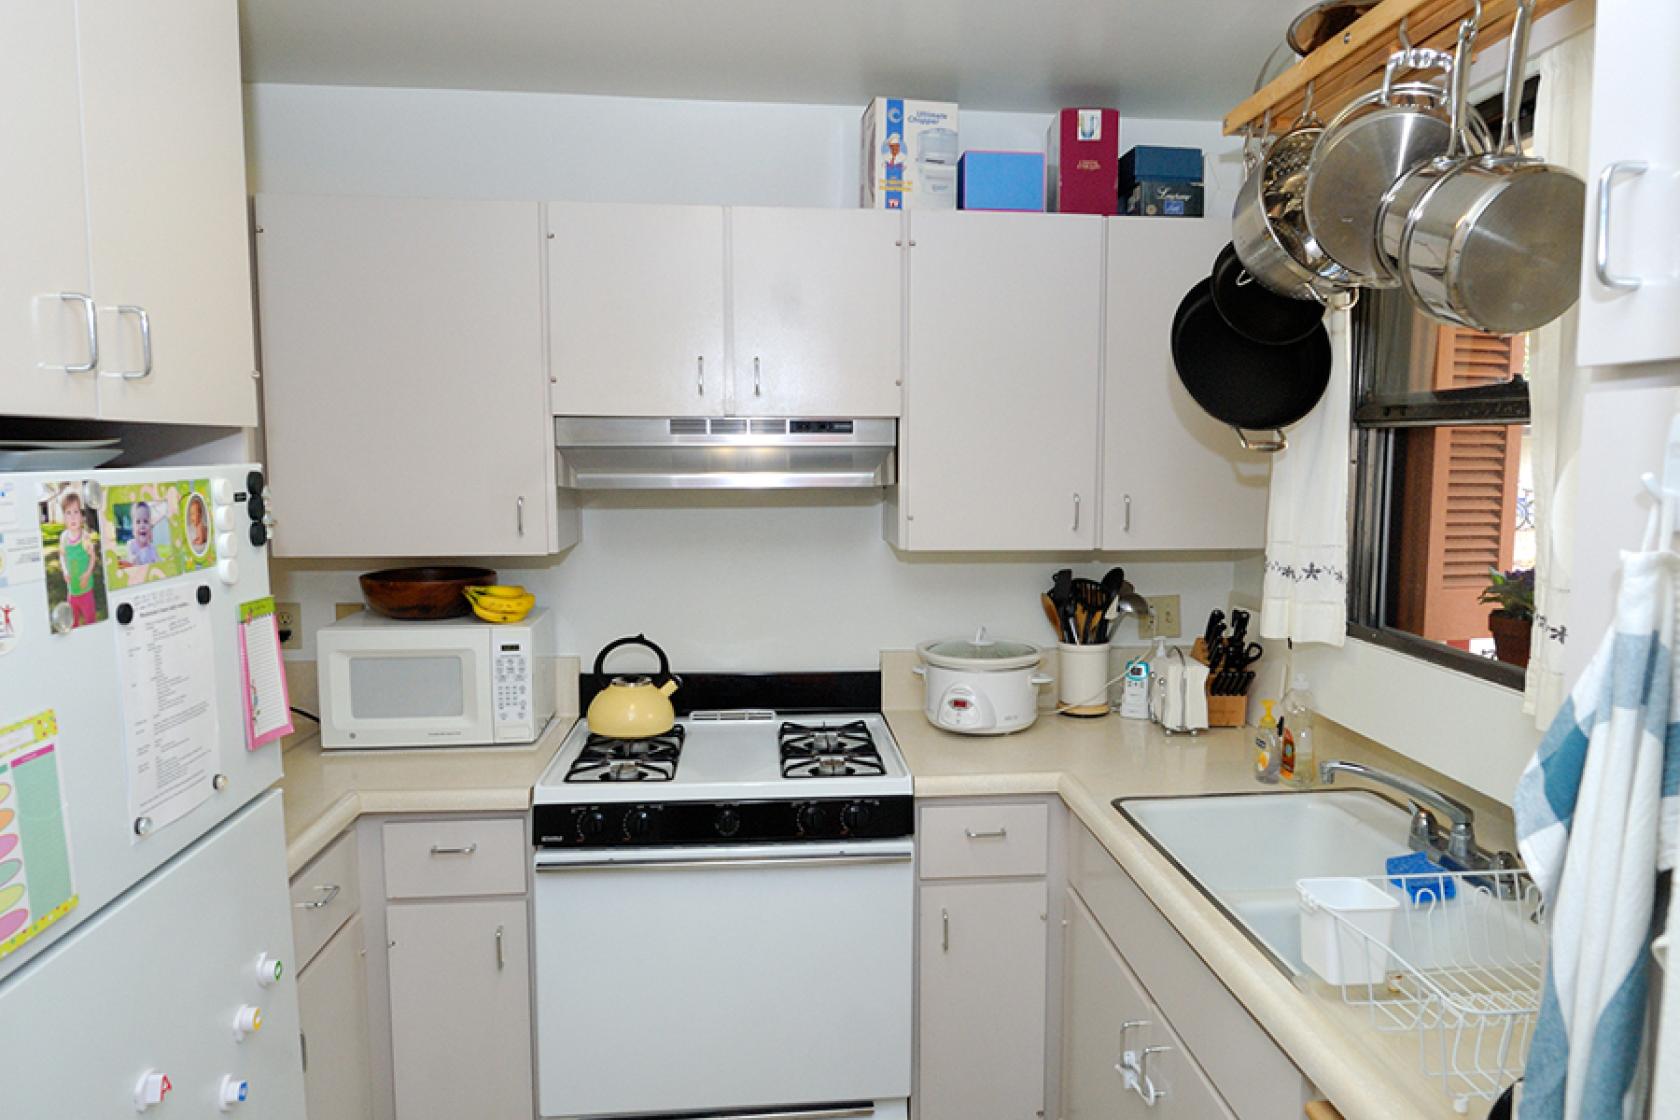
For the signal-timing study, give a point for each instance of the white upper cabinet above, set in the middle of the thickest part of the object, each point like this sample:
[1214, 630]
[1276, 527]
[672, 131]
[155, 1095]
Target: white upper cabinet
[46, 325]
[407, 407]
[818, 305]
[636, 309]
[163, 128]
[1173, 476]
[124, 136]
[998, 449]
[1630, 274]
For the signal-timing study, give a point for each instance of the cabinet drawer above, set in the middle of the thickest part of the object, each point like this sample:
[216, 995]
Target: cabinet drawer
[433, 859]
[980, 841]
[324, 896]
[1255, 1076]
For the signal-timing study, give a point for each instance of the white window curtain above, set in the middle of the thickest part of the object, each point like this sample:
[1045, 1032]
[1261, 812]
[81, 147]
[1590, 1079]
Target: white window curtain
[1304, 596]
[1561, 121]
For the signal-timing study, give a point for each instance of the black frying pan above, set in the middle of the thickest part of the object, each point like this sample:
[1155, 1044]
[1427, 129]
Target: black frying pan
[1257, 311]
[1241, 382]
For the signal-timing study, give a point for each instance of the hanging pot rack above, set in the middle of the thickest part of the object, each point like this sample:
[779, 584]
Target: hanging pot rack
[1352, 63]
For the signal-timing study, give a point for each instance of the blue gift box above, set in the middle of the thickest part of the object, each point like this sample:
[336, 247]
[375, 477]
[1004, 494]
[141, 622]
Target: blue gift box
[1000, 181]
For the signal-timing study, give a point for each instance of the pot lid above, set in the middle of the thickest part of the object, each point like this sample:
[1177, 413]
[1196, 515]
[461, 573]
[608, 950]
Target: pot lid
[980, 652]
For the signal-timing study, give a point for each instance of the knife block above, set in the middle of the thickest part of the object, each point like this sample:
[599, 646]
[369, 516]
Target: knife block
[1223, 711]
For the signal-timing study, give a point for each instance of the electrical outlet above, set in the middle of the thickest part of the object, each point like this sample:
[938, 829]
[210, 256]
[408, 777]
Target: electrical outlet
[344, 610]
[1163, 613]
[288, 619]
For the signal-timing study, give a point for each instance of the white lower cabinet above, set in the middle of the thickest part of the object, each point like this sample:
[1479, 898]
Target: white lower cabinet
[982, 995]
[1119, 1057]
[460, 1009]
[332, 998]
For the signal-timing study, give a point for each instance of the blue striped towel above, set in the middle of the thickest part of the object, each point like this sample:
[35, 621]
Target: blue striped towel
[1597, 810]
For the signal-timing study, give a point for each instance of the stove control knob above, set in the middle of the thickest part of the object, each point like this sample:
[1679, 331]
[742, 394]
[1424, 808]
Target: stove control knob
[813, 819]
[856, 816]
[638, 824]
[591, 823]
[728, 821]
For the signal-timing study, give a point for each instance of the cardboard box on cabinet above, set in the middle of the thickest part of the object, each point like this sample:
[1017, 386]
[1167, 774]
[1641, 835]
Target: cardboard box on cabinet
[910, 153]
[1082, 162]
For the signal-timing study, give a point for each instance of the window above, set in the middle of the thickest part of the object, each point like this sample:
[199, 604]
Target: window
[1443, 490]
[1443, 493]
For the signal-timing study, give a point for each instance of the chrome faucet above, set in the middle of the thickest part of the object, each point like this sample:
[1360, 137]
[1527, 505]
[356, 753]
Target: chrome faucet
[1454, 847]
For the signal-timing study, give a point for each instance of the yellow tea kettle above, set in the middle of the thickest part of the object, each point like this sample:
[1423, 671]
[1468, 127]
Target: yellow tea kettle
[633, 707]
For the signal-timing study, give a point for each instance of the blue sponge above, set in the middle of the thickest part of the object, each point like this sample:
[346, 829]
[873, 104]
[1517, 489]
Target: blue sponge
[1412, 874]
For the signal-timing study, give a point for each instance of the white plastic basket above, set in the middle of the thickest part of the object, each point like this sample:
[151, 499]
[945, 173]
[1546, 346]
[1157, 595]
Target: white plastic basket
[1327, 905]
[1461, 974]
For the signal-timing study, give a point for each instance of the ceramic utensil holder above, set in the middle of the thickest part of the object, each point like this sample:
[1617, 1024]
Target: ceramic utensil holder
[1082, 680]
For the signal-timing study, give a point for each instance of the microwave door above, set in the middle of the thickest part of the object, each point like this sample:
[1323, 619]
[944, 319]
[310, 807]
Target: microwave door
[436, 696]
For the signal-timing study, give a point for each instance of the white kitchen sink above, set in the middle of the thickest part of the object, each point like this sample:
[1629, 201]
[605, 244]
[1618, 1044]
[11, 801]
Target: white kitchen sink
[1245, 851]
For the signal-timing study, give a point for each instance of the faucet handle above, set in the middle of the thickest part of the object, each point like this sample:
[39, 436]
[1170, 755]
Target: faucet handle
[1426, 831]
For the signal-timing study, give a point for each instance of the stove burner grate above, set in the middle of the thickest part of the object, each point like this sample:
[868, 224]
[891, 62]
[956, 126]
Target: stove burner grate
[605, 759]
[829, 750]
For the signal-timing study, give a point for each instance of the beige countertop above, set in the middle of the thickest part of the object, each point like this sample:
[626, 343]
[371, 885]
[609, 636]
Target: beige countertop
[325, 791]
[1089, 763]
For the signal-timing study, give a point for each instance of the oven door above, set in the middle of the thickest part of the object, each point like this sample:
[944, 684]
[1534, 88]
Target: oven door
[433, 693]
[751, 977]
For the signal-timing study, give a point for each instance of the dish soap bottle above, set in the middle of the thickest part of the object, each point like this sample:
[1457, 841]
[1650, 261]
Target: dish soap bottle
[1267, 752]
[1295, 764]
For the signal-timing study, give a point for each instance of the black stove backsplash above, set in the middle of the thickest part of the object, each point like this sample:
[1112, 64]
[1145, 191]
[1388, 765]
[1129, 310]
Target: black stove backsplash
[788, 693]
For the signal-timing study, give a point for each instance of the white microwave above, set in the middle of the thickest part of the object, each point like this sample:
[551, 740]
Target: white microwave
[457, 682]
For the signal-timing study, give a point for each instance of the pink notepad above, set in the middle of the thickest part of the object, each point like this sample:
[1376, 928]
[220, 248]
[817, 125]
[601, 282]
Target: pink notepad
[268, 705]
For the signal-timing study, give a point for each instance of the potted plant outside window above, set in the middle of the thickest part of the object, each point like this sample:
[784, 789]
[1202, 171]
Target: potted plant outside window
[1512, 618]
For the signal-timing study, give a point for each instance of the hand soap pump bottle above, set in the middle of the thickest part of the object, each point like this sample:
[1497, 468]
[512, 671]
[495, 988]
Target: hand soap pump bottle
[1267, 752]
[1295, 734]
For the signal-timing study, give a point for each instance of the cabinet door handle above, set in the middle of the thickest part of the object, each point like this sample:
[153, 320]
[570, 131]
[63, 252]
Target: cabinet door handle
[988, 834]
[91, 324]
[945, 930]
[519, 514]
[145, 369]
[328, 891]
[501, 958]
[1076, 513]
[1127, 502]
[1606, 184]
[462, 850]
[700, 373]
[758, 383]
[303, 1044]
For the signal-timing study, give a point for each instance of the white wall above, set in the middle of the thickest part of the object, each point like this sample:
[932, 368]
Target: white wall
[467, 144]
[760, 582]
[769, 582]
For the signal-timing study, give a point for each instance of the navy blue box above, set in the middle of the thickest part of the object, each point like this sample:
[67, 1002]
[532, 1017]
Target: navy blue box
[1161, 182]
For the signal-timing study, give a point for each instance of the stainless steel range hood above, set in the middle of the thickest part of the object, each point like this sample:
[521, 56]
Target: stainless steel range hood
[723, 453]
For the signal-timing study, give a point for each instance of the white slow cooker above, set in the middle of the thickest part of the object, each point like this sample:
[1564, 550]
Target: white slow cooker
[979, 686]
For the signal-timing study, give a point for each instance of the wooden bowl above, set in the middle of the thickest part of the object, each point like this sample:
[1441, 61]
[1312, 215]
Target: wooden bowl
[419, 594]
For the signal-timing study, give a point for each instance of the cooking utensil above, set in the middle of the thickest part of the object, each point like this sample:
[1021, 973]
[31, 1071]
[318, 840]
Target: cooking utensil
[1254, 310]
[1372, 142]
[1241, 382]
[1495, 243]
[423, 593]
[1055, 617]
[1239, 626]
[633, 707]
[1323, 22]
[1268, 226]
[1214, 630]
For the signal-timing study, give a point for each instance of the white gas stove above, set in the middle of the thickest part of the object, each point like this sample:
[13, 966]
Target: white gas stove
[703, 894]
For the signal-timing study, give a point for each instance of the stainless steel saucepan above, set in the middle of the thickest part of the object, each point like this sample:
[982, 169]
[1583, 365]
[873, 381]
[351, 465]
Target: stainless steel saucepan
[1268, 224]
[1495, 243]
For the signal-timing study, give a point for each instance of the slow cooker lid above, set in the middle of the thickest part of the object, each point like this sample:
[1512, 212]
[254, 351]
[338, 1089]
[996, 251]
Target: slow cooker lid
[981, 652]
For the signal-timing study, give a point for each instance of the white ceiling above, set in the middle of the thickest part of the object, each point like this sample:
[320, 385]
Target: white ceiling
[1149, 58]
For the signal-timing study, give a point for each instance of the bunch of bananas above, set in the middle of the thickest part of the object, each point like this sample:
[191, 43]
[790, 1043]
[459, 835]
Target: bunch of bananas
[499, 602]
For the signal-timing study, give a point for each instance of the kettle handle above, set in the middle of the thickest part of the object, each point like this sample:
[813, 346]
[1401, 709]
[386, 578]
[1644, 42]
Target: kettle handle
[637, 640]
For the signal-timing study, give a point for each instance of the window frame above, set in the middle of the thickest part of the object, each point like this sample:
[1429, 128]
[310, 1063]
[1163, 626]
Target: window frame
[1376, 420]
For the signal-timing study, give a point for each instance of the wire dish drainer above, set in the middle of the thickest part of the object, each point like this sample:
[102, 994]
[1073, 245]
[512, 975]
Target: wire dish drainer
[1462, 974]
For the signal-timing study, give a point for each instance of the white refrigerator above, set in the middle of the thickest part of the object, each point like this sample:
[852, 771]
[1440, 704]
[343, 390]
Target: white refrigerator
[145, 935]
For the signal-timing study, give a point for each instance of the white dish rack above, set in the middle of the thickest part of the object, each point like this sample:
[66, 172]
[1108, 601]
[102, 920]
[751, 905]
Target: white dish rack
[1461, 974]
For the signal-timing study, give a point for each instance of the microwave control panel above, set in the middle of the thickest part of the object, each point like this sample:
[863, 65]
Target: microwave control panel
[512, 687]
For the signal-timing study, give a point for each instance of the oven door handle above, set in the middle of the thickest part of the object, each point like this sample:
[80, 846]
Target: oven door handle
[704, 863]
[843, 1113]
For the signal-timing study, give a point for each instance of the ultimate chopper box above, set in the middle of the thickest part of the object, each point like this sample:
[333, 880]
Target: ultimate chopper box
[909, 155]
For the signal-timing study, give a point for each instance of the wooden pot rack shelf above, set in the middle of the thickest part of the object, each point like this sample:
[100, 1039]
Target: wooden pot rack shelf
[1352, 63]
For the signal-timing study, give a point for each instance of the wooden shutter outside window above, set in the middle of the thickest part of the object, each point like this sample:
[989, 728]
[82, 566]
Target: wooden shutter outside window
[1459, 497]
